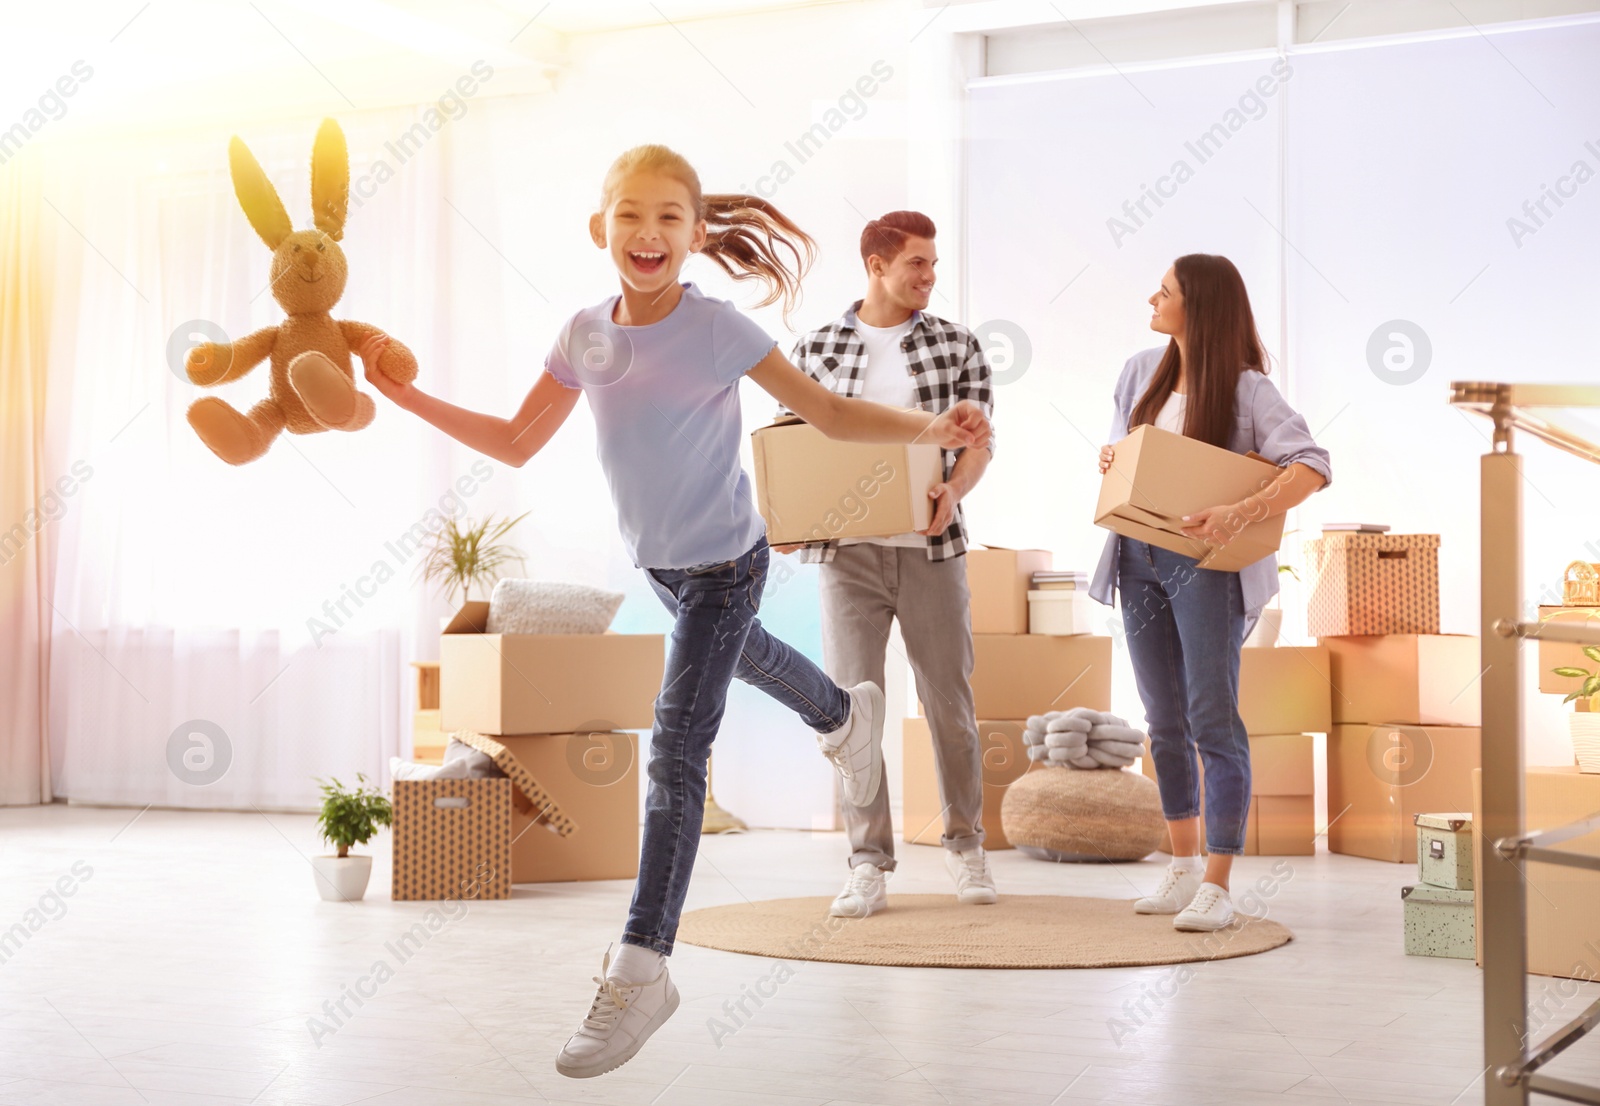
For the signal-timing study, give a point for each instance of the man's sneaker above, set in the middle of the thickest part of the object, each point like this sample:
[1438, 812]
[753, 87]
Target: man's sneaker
[620, 1021]
[856, 748]
[974, 882]
[1211, 909]
[1177, 887]
[864, 893]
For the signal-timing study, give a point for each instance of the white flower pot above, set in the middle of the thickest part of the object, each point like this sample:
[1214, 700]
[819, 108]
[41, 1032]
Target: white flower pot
[1585, 729]
[1266, 631]
[342, 878]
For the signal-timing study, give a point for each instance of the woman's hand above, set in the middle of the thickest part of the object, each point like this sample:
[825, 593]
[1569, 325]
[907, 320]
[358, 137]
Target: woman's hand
[960, 426]
[1107, 455]
[1216, 525]
[789, 547]
[370, 352]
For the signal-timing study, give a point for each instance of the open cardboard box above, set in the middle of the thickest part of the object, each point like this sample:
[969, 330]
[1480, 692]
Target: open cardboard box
[545, 683]
[810, 488]
[1158, 477]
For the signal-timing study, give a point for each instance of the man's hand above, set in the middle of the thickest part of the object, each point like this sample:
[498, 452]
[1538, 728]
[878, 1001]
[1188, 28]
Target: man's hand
[944, 509]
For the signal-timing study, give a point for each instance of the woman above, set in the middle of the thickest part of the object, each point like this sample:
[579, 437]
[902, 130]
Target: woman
[1186, 625]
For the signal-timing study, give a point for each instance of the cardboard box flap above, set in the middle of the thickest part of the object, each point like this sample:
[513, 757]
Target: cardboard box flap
[540, 804]
[472, 618]
[787, 420]
[1450, 823]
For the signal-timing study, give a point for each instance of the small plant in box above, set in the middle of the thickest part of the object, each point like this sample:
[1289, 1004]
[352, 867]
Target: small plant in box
[349, 817]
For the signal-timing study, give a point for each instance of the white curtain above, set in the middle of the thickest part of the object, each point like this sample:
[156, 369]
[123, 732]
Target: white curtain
[187, 669]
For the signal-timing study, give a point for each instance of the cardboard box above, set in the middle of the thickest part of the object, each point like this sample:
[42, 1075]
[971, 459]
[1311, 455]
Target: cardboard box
[545, 683]
[811, 488]
[595, 779]
[1004, 758]
[1282, 818]
[1557, 655]
[1563, 903]
[999, 580]
[1440, 921]
[1158, 477]
[1017, 675]
[1381, 777]
[1286, 690]
[1372, 584]
[1411, 679]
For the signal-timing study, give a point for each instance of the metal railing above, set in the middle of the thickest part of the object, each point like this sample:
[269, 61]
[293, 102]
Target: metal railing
[1513, 1066]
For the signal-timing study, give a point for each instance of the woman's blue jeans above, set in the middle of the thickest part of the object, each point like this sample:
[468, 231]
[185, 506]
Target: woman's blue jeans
[1185, 627]
[716, 637]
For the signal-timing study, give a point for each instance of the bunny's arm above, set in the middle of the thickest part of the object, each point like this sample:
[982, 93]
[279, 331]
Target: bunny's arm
[212, 363]
[398, 363]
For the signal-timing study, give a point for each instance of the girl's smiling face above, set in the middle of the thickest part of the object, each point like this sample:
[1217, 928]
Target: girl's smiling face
[650, 229]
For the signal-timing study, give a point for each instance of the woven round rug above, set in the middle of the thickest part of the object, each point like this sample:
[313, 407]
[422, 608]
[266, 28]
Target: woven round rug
[934, 931]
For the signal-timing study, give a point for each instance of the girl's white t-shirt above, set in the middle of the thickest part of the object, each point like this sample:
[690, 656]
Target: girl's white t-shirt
[1172, 413]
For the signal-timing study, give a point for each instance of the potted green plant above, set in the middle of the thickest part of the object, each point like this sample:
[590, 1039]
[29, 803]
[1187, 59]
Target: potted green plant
[464, 555]
[1584, 721]
[1269, 625]
[348, 818]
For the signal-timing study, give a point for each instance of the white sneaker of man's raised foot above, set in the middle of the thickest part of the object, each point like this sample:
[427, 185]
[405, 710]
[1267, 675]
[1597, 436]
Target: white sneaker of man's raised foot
[856, 748]
[620, 1021]
[865, 892]
[974, 882]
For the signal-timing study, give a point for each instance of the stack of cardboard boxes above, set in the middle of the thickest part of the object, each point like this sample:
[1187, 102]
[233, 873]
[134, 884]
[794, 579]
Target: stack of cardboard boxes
[1439, 907]
[560, 706]
[1283, 701]
[1015, 674]
[1405, 697]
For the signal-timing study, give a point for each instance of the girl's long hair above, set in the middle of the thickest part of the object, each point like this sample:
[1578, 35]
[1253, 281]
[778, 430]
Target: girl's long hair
[1221, 337]
[747, 237]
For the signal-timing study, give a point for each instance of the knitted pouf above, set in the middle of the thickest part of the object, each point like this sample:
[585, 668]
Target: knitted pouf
[1104, 814]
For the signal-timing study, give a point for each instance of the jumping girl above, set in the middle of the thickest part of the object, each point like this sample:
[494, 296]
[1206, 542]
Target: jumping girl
[1186, 625]
[661, 364]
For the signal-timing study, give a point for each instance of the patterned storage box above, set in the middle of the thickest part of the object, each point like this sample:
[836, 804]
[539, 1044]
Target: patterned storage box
[1373, 584]
[1444, 850]
[1439, 922]
[452, 839]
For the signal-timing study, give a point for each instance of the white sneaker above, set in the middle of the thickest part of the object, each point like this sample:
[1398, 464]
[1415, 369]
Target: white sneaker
[620, 1021]
[1175, 891]
[974, 881]
[856, 748]
[1211, 909]
[864, 893]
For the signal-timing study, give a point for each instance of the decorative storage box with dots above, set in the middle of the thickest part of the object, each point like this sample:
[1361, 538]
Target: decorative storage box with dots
[1373, 584]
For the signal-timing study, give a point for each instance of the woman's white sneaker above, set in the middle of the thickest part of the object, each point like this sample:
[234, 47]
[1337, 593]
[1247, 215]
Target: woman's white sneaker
[1178, 886]
[856, 748]
[1210, 910]
[620, 1021]
[864, 893]
[974, 882]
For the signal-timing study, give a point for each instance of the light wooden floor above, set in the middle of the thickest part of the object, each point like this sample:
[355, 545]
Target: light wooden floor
[187, 964]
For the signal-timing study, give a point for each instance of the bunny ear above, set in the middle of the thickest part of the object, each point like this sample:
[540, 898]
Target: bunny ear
[257, 196]
[330, 180]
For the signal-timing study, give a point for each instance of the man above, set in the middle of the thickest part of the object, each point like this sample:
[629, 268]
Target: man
[887, 348]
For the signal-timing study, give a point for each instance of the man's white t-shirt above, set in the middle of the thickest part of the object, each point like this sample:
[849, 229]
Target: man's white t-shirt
[888, 380]
[1172, 413]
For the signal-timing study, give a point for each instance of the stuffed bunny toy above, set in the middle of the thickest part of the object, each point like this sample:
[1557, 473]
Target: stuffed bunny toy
[313, 387]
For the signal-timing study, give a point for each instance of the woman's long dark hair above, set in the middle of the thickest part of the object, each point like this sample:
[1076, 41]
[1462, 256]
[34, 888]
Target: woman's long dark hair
[1221, 337]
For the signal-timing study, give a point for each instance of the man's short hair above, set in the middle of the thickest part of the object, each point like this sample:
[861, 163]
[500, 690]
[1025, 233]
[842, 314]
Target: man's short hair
[886, 235]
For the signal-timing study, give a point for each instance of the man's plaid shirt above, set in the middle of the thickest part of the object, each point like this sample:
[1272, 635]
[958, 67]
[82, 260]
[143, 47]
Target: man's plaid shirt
[947, 365]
